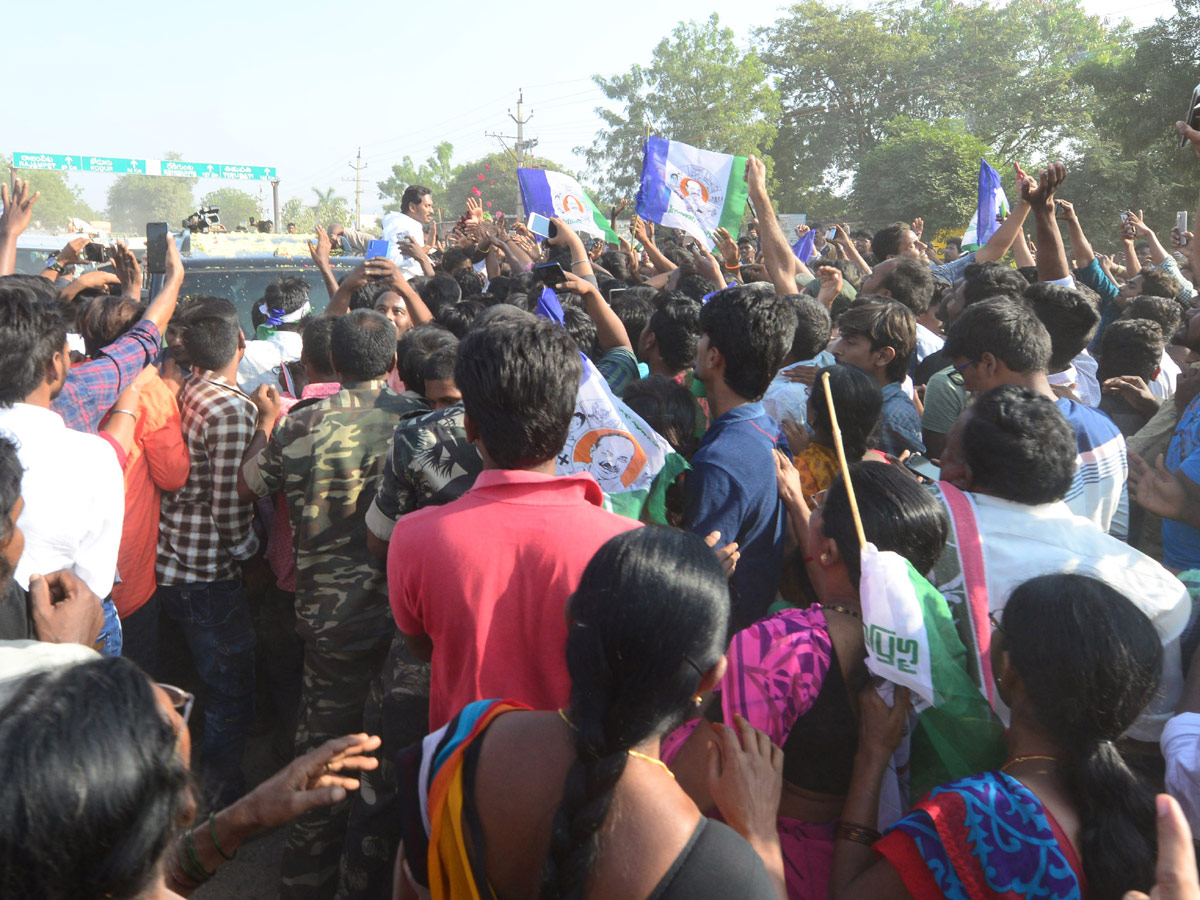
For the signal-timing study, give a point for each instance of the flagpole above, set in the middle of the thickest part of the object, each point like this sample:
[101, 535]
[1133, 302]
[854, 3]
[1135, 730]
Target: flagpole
[841, 455]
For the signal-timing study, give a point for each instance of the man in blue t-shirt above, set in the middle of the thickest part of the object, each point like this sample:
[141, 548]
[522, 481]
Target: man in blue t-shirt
[745, 333]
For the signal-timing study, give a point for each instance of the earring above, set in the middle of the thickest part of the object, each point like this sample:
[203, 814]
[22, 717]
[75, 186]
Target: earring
[825, 558]
[696, 701]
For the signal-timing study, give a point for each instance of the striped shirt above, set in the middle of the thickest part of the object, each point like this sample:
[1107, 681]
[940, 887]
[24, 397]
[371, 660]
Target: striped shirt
[205, 529]
[1102, 466]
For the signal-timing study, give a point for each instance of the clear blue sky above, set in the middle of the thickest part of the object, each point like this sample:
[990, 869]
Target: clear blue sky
[300, 86]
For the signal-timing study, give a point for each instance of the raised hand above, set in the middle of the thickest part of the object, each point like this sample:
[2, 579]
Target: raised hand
[474, 210]
[1049, 180]
[128, 271]
[321, 249]
[728, 247]
[918, 227]
[1064, 209]
[18, 207]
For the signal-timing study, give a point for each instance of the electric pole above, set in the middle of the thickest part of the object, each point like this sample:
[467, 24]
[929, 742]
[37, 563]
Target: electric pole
[517, 151]
[358, 165]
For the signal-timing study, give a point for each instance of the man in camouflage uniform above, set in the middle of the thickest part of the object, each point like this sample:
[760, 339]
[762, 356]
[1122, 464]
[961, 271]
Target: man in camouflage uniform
[327, 457]
[431, 463]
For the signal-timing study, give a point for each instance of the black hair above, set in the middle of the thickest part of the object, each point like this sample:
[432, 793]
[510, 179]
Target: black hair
[1019, 446]
[956, 241]
[499, 287]
[439, 365]
[668, 407]
[910, 282]
[413, 194]
[634, 311]
[616, 263]
[858, 402]
[886, 241]
[1164, 311]
[676, 328]
[695, 285]
[897, 514]
[453, 259]
[439, 291]
[581, 327]
[1070, 317]
[518, 380]
[457, 317]
[282, 296]
[1006, 328]
[94, 788]
[32, 330]
[885, 323]
[105, 319]
[752, 327]
[650, 616]
[680, 257]
[1157, 283]
[364, 296]
[1130, 347]
[469, 282]
[813, 326]
[362, 345]
[211, 331]
[414, 347]
[1029, 273]
[315, 349]
[11, 471]
[990, 279]
[1089, 662]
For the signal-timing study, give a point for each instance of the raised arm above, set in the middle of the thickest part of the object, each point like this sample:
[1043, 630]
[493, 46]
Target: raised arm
[162, 307]
[1144, 231]
[642, 232]
[1080, 245]
[320, 257]
[847, 247]
[1051, 256]
[610, 332]
[15, 218]
[778, 257]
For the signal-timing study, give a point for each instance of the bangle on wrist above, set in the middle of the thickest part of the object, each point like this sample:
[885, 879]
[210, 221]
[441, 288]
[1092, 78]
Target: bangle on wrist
[576, 262]
[212, 833]
[733, 268]
[860, 834]
[128, 412]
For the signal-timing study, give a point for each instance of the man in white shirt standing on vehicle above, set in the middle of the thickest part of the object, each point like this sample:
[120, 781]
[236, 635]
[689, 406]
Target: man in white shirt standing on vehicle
[405, 230]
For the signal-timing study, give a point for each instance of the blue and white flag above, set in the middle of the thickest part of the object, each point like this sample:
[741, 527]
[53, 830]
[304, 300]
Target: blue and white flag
[632, 462]
[992, 202]
[696, 190]
[803, 248]
[558, 196]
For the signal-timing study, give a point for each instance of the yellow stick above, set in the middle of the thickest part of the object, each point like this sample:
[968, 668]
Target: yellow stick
[841, 455]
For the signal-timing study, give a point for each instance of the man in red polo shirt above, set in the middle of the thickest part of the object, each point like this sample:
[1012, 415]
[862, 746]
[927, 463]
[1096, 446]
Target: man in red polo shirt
[479, 585]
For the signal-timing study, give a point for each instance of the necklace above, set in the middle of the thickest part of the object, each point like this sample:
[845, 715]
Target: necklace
[1028, 758]
[841, 609]
[650, 759]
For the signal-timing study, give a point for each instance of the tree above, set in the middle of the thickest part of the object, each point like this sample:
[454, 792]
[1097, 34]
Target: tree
[295, 211]
[435, 173]
[236, 206]
[700, 88]
[331, 209]
[497, 189]
[1006, 71]
[59, 201]
[921, 169]
[134, 200]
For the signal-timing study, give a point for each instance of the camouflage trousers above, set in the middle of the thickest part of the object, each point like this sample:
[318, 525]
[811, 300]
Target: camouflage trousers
[334, 691]
[398, 711]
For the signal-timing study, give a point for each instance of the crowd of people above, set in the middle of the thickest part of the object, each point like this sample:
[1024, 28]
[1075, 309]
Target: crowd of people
[485, 677]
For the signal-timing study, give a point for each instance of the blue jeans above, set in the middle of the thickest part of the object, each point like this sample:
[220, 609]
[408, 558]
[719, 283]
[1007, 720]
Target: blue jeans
[215, 619]
[110, 639]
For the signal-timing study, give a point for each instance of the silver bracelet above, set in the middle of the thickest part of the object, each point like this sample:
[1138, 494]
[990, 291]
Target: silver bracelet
[576, 262]
[128, 412]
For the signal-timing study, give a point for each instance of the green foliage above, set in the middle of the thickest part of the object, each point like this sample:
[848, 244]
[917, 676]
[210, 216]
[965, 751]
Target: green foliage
[920, 169]
[134, 200]
[59, 201]
[453, 184]
[294, 210]
[330, 209]
[1006, 71]
[699, 88]
[236, 206]
[435, 173]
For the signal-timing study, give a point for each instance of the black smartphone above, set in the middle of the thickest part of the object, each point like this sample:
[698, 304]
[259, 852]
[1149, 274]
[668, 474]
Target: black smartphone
[1192, 116]
[97, 253]
[923, 467]
[156, 247]
[551, 274]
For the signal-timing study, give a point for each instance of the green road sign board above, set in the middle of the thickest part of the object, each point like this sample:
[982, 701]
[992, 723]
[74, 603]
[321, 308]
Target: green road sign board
[119, 166]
